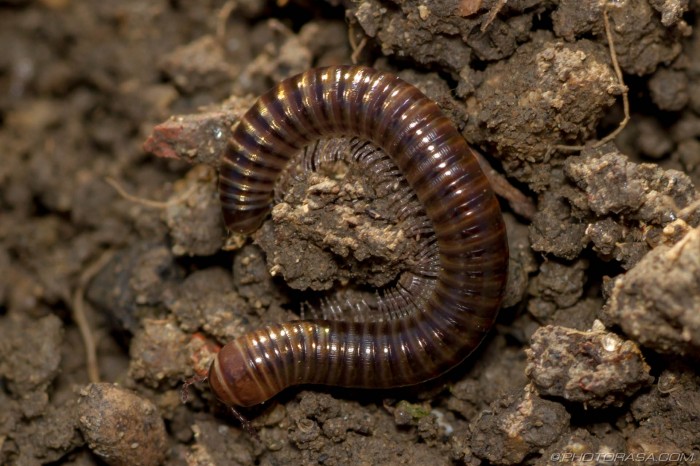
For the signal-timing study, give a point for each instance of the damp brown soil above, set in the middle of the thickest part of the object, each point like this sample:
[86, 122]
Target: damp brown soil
[113, 116]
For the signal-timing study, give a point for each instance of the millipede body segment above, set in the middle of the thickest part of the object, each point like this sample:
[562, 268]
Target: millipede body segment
[438, 165]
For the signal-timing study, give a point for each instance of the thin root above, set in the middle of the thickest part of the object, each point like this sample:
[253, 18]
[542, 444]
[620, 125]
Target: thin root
[148, 202]
[222, 18]
[492, 14]
[356, 48]
[620, 80]
[80, 318]
[688, 210]
[521, 204]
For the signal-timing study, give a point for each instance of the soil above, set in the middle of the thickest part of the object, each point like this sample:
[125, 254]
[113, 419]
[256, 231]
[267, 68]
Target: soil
[113, 116]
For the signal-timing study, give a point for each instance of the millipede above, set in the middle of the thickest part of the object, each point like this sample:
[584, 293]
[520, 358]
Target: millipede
[452, 310]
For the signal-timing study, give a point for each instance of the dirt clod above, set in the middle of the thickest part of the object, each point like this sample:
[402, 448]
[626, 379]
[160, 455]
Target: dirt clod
[337, 230]
[132, 282]
[517, 426]
[558, 97]
[596, 368]
[617, 205]
[30, 354]
[657, 302]
[159, 354]
[667, 417]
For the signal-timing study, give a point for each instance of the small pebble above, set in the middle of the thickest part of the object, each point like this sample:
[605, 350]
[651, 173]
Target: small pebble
[121, 427]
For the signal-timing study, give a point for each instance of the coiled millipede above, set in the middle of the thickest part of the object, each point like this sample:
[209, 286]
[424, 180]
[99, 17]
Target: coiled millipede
[457, 307]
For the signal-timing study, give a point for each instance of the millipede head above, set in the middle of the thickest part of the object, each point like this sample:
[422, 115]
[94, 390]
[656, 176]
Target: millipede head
[231, 379]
